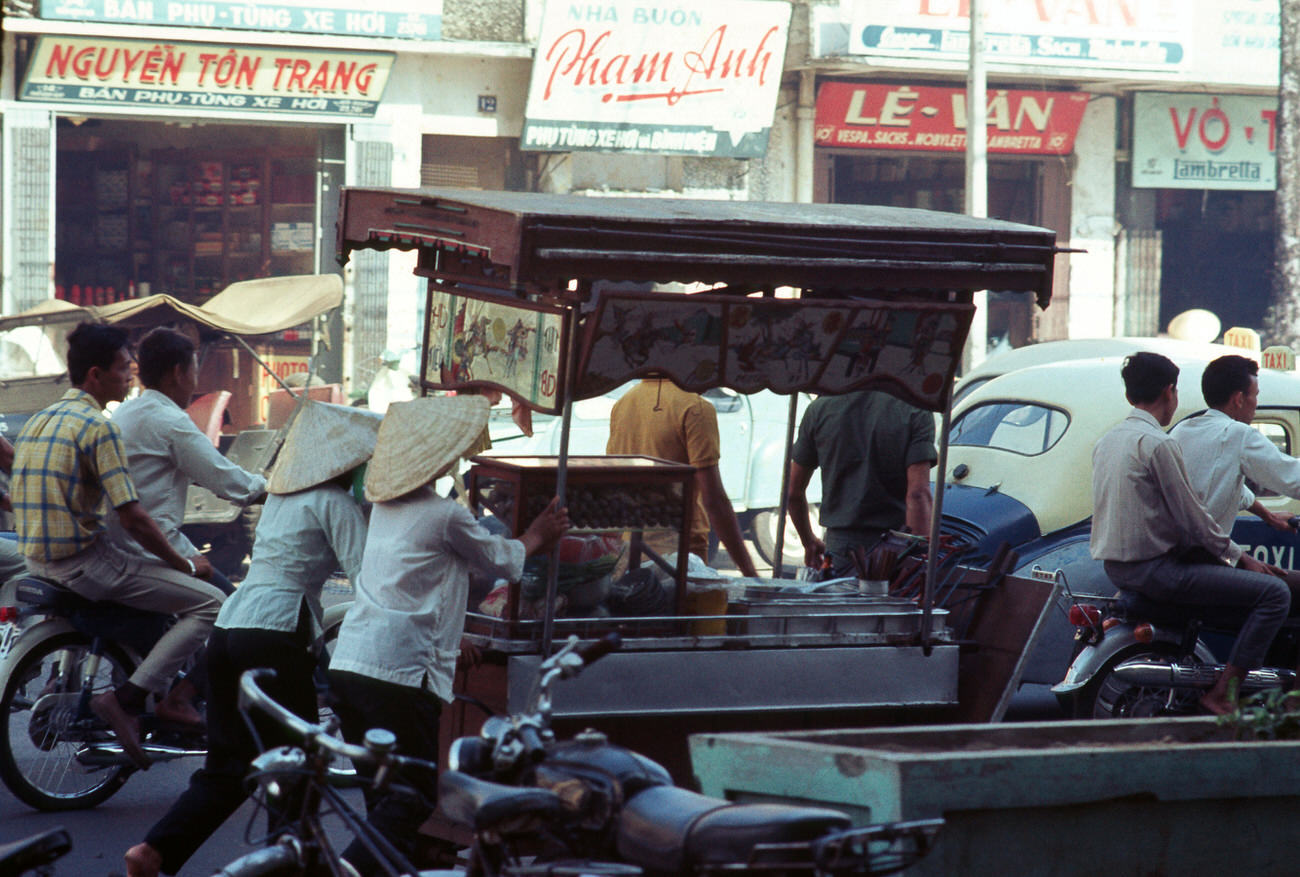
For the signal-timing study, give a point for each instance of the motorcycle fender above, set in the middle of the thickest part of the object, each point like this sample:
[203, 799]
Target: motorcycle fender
[1090, 661]
[33, 636]
[333, 615]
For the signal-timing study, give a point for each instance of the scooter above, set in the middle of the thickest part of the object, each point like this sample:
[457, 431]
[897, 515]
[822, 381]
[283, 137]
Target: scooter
[57, 650]
[1139, 658]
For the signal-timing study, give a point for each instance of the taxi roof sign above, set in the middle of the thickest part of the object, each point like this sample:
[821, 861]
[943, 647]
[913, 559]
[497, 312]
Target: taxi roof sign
[1240, 336]
[1279, 358]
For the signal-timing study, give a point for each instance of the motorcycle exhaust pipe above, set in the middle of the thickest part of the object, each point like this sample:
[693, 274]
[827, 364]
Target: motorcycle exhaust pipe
[1157, 674]
[111, 754]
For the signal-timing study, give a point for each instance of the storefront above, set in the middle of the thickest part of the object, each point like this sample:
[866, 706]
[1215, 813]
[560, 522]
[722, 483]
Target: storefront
[901, 144]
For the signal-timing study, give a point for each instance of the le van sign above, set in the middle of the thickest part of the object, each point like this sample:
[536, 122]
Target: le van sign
[1204, 141]
[206, 77]
[923, 117]
[684, 79]
[397, 19]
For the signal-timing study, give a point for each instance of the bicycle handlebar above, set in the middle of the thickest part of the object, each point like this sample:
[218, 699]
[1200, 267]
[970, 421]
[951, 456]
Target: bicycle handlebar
[314, 737]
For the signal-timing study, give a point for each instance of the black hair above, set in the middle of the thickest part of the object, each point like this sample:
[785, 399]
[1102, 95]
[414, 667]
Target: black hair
[91, 345]
[1146, 375]
[160, 351]
[1225, 376]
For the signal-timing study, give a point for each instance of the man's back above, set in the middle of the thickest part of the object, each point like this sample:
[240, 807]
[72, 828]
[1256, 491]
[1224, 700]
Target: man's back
[68, 458]
[863, 442]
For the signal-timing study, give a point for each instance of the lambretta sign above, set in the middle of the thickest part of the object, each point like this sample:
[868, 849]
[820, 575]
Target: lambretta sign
[690, 79]
[1204, 141]
[209, 77]
[923, 117]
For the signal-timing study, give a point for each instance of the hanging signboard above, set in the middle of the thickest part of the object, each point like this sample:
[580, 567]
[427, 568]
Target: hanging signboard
[1114, 34]
[931, 118]
[1203, 141]
[208, 77]
[394, 19]
[784, 345]
[621, 76]
[491, 341]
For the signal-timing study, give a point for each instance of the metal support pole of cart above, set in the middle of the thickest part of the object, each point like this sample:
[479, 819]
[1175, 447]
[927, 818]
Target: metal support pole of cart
[932, 558]
[783, 502]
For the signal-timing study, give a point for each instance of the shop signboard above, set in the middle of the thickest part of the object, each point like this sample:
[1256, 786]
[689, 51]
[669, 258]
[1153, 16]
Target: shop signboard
[205, 77]
[1111, 34]
[1204, 141]
[931, 118]
[1217, 41]
[623, 76]
[393, 19]
[504, 344]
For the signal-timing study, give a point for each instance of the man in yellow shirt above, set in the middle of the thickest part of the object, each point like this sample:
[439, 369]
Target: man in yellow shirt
[656, 418]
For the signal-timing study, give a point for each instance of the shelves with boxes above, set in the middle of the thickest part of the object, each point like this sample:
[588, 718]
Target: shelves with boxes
[94, 225]
[216, 225]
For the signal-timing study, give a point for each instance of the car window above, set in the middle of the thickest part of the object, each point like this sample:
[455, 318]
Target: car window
[1020, 427]
[725, 400]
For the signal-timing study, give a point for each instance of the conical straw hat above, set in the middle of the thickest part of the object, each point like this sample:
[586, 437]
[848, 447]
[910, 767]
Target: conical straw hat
[421, 440]
[324, 442]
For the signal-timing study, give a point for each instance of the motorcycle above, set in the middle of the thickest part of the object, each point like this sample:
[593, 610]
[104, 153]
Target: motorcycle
[58, 650]
[538, 806]
[1139, 658]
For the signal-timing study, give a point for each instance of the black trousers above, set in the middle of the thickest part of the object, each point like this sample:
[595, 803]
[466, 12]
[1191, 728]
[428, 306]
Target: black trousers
[217, 789]
[411, 714]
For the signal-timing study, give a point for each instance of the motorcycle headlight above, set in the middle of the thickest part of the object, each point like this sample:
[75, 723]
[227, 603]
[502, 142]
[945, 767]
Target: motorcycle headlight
[470, 755]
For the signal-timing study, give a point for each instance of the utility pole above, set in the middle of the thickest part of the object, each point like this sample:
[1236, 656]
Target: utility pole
[977, 168]
[1282, 321]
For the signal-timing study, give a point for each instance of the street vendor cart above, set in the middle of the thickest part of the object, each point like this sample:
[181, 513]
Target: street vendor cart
[551, 298]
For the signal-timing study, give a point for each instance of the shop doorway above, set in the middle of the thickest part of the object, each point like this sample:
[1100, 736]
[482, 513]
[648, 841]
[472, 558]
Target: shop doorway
[1217, 254]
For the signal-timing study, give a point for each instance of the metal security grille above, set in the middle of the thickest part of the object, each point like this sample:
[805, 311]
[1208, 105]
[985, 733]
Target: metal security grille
[374, 167]
[28, 216]
[442, 176]
[1137, 281]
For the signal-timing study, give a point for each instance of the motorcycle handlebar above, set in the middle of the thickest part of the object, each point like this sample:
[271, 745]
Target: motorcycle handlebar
[534, 749]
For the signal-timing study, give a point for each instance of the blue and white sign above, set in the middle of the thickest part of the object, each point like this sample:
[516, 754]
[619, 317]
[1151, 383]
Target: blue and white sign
[394, 19]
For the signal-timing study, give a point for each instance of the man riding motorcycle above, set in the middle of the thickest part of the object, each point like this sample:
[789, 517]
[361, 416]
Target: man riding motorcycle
[69, 463]
[1155, 536]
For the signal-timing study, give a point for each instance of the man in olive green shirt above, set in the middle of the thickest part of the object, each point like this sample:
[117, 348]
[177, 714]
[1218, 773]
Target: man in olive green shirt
[875, 453]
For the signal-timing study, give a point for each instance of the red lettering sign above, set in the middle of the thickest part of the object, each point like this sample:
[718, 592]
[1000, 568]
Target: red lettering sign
[924, 117]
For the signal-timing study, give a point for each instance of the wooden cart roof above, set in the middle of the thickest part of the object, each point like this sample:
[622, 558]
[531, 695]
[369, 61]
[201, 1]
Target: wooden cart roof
[530, 242]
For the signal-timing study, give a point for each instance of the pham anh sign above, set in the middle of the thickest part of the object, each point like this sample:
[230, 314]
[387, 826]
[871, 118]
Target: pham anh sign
[689, 79]
[206, 78]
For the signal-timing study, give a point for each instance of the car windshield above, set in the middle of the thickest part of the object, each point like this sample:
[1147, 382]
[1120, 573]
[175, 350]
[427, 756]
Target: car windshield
[1020, 427]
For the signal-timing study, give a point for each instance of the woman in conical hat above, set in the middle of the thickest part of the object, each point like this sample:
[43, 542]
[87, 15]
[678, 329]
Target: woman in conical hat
[393, 663]
[310, 527]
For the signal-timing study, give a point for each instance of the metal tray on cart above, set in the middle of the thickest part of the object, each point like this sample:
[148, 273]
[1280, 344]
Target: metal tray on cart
[813, 615]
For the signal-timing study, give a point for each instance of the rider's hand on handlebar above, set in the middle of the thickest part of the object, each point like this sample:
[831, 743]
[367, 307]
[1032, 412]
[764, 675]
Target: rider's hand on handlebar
[1278, 522]
[202, 568]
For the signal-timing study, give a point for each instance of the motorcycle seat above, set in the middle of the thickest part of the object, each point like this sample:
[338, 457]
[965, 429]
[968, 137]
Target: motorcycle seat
[51, 595]
[488, 806]
[665, 828]
[1139, 607]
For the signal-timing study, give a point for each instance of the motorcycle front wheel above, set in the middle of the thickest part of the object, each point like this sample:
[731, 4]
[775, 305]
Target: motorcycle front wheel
[45, 728]
[1116, 699]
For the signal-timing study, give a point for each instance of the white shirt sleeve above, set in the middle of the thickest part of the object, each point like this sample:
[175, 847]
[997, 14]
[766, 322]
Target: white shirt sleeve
[345, 529]
[1263, 463]
[197, 458]
[486, 554]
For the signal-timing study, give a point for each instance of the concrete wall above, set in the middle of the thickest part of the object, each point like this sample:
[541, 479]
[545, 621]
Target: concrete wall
[1093, 224]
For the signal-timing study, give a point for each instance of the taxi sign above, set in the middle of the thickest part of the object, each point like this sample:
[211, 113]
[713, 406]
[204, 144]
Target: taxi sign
[1278, 357]
[1239, 336]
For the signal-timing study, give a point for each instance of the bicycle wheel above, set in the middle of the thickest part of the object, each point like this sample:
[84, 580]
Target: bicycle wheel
[43, 736]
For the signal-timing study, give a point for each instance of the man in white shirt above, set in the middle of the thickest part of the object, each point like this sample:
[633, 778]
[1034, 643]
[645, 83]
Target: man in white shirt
[1222, 449]
[1155, 536]
[166, 452]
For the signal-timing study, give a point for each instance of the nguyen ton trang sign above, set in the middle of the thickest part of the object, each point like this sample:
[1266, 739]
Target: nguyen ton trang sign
[931, 118]
[684, 79]
[206, 77]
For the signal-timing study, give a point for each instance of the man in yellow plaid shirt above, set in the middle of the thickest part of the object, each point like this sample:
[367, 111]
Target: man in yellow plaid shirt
[69, 471]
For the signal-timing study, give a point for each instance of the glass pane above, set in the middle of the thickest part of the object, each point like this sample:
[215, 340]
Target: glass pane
[1019, 427]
